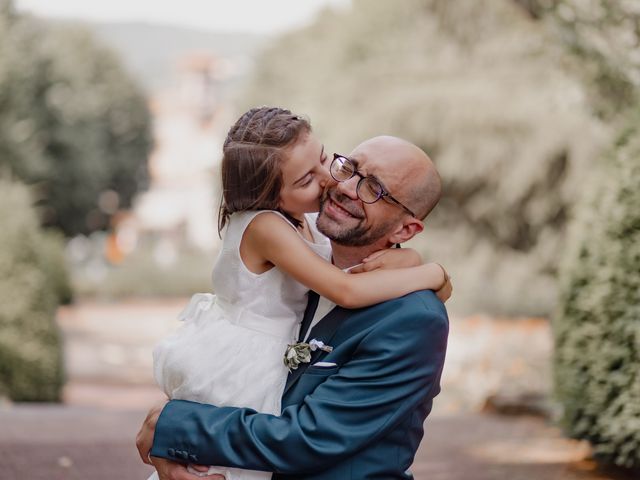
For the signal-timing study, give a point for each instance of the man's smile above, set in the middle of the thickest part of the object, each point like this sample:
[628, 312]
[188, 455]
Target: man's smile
[335, 209]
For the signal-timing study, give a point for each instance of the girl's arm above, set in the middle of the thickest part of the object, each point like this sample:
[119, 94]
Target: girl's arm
[273, 239]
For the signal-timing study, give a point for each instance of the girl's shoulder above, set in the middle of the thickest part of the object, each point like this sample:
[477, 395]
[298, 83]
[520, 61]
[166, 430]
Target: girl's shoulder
[259, 219]
[244, 218]
[248, 216]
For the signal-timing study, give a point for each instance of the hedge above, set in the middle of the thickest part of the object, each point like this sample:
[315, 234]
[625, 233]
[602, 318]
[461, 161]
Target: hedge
[32, 282]
[597, 328]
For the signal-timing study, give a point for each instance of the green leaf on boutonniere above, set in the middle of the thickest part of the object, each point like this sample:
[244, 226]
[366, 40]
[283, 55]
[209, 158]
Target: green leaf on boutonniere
[301, 352]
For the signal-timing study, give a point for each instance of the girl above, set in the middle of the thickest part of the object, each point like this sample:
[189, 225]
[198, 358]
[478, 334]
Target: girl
[230, 350]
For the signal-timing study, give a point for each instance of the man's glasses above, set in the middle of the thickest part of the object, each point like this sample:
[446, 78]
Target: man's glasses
[369, 188]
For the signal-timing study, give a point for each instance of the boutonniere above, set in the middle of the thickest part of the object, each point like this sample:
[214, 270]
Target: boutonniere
[301, 352]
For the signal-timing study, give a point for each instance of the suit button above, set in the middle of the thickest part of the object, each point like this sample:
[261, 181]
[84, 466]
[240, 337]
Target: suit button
[171, 452]
[193, 459]
[183, 454]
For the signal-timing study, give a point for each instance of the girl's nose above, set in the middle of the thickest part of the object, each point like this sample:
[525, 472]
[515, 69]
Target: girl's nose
[323, 176]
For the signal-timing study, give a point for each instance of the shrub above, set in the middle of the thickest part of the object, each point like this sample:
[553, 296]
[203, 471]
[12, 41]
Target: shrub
[32, 281]
[597, 328]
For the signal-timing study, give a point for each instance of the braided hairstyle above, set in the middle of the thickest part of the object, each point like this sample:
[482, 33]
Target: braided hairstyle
[252, 154]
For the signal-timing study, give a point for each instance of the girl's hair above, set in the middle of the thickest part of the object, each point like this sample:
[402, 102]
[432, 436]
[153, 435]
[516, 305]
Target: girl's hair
[252, 156]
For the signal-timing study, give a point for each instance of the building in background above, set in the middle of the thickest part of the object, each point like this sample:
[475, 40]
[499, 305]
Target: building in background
[180, 208]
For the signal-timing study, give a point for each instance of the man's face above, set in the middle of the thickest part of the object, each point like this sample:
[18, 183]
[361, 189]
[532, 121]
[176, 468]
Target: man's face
[345, 219]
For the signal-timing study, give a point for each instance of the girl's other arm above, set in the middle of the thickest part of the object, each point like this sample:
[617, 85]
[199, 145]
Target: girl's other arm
[389, 258]
[399, 258]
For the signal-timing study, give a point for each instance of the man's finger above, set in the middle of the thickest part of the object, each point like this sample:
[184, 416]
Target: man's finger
[200, 468]
[169, 470]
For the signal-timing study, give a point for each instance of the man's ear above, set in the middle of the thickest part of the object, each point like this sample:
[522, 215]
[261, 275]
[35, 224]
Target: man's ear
[407, 230]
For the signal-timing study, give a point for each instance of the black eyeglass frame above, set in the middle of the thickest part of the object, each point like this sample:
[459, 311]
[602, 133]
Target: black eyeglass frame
[382, 191]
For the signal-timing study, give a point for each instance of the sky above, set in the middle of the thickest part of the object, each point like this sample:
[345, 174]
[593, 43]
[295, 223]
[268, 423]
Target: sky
[257, 16]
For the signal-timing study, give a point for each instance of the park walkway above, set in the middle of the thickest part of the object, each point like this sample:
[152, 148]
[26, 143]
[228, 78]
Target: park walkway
[91, 436]
[50, 442]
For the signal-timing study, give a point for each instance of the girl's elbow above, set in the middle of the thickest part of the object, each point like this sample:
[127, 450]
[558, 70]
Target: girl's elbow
[351, 297]
[342, 296]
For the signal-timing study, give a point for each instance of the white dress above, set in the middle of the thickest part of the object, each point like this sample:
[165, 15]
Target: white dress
[230, 350]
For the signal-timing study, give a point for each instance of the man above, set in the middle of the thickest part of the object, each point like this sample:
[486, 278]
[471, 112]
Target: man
[358, 410]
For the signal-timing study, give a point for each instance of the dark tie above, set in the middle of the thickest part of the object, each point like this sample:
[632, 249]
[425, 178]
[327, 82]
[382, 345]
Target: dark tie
[312, 305]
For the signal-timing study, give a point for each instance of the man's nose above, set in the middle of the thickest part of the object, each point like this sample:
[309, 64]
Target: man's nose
[349, 187]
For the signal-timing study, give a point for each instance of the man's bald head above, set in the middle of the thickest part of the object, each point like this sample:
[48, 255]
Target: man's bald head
[414, 177]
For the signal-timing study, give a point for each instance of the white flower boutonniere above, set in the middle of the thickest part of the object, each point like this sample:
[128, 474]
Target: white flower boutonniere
[301, 352]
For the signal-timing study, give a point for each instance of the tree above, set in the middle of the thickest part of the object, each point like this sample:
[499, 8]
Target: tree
[490, 94]
[74, 125]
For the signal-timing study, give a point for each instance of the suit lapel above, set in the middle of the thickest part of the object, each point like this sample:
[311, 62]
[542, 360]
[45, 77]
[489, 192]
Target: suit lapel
[324, 330]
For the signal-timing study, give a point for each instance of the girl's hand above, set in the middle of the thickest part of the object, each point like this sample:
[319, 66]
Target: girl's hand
[445, 291]
[389, 258]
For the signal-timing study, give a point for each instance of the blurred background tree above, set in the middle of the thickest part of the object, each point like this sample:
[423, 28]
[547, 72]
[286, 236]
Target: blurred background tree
[74, 125]
[496, 103]
[33, 281]
[597, 325]
[75, 128]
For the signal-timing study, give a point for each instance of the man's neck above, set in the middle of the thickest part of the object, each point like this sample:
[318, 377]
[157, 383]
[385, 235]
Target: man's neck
[346, 257]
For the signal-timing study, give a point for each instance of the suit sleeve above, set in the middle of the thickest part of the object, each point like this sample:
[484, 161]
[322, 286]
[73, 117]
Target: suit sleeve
[396, 366]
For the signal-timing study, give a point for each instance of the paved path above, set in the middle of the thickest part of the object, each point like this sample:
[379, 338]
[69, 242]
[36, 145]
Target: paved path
[44, 442]
[108, 360]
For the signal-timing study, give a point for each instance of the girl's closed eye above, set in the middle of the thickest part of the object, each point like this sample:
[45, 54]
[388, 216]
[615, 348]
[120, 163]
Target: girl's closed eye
[307, 181]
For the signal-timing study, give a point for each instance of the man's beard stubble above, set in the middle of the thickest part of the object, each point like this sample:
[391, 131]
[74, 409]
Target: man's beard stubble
[359, 235]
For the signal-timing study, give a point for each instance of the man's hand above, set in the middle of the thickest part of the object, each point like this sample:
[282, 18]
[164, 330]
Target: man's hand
[144, 439]
[168, 470]
[389, 258]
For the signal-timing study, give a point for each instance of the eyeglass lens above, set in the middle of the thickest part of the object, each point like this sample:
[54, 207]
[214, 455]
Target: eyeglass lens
[368, 189]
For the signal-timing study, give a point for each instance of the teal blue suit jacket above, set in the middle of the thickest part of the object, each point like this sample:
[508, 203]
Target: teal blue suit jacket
[362, 419]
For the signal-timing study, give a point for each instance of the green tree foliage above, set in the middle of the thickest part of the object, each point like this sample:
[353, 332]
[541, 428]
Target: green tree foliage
[73, 123]
[605, 36]
[489, 93]
[32, 280]
[597, 329]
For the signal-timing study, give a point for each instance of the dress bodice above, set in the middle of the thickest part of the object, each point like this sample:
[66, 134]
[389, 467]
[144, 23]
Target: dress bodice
[271, 302]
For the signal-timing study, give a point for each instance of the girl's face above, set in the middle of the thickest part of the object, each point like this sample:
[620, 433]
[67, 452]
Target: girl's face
[304, 174]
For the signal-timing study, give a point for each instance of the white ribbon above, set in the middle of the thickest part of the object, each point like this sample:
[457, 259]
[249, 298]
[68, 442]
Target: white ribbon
[319, 344]
[200, 302]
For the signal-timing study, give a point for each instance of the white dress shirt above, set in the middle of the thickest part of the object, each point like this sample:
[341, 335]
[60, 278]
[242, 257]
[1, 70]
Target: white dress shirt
[324, 306]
